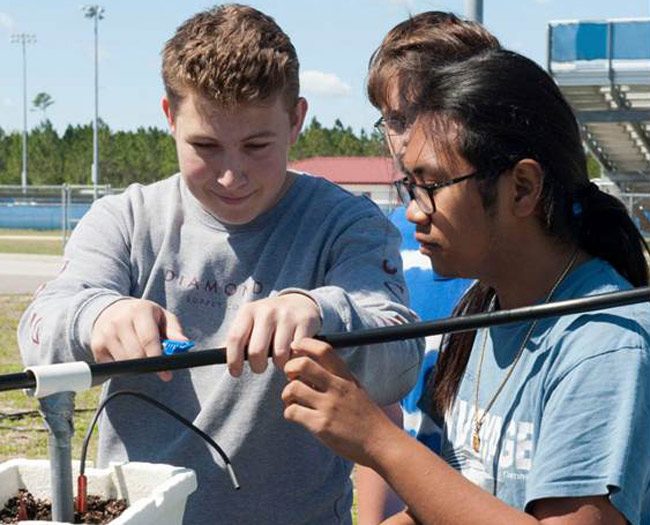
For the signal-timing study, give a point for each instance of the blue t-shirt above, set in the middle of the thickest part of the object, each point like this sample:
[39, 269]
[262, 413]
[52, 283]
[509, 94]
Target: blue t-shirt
[574, 417]
[431, 297]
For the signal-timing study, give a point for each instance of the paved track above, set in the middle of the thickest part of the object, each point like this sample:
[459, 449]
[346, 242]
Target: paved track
[23, 274]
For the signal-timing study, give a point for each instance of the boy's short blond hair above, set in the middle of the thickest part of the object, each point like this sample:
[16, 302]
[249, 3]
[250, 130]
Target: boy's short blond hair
[231, 54]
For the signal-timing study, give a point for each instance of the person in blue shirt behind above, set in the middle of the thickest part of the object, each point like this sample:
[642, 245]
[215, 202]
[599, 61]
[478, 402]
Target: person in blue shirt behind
[432, 296]
[411, 49]
[408, 51]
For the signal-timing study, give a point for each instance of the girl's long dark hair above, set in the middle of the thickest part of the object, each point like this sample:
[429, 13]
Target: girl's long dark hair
[506, 108]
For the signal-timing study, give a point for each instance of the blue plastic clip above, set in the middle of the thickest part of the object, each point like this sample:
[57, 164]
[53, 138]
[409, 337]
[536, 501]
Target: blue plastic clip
[172, 346]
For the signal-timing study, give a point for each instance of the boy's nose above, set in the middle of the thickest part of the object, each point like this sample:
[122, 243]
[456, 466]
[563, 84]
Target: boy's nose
[232, 178]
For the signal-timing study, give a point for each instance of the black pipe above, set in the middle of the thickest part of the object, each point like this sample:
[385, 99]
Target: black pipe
[471, 322]
[103, 371]
[17, 381]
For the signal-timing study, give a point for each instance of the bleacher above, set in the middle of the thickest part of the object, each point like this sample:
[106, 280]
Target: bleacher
[603, 68]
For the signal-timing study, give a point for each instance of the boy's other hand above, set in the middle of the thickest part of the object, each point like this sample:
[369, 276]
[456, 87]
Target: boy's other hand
[131, 329]
[268, 327]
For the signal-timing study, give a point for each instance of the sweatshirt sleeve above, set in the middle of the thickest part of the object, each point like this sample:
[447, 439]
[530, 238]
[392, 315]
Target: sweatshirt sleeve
[57, 325]
[365, 288]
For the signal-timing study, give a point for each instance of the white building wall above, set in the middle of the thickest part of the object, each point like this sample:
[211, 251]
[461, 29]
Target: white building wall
[382, 194]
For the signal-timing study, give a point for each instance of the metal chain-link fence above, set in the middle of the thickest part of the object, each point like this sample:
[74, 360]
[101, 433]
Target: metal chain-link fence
[48, 207]
[61, 207]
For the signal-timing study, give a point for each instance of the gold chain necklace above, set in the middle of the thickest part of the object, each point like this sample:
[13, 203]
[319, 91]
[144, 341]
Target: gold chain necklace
[478, 421]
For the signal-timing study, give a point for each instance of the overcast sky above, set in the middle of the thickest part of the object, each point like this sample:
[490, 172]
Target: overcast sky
[334, 39]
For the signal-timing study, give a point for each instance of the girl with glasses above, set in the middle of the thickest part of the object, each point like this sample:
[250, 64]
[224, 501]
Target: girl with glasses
[545, 421]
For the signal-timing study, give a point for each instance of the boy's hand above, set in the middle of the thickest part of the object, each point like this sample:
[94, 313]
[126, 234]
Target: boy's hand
[268, 327]
[132, 328]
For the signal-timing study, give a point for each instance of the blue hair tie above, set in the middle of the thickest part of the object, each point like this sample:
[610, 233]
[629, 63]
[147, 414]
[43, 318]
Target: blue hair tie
[577, 209]
[582, 196]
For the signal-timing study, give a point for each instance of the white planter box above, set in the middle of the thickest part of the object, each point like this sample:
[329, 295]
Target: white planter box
[156, 493]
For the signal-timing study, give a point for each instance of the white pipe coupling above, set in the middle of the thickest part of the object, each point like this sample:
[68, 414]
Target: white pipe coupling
[60, 377]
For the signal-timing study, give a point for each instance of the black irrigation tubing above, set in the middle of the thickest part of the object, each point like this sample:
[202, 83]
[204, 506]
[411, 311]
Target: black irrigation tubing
[104, 371]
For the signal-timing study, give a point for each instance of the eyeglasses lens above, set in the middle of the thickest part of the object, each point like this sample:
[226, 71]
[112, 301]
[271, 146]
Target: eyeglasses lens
[423, 200]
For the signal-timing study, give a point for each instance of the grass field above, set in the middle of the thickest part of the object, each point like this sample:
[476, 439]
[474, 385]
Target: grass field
[55, 234]
[31, 242]
[22, 433]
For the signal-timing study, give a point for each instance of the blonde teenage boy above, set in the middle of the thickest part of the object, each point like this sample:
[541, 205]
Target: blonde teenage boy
[234, 250]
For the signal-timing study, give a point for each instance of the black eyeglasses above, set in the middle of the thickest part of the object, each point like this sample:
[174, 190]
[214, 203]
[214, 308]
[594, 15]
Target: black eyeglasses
[394, 124]
[422, 194]
[390, 127]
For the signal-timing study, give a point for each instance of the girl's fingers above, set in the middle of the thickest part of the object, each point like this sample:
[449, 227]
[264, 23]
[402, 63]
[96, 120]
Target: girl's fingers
[324, 354]
[308, 371]
[299, 393]
[302, 415]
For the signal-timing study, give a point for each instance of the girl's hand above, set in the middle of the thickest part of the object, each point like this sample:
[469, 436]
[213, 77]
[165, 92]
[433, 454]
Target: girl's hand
[324, 397]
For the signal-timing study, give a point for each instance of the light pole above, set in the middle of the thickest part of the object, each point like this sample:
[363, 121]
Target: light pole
[23, 39]
[96, 12]
[474, 10]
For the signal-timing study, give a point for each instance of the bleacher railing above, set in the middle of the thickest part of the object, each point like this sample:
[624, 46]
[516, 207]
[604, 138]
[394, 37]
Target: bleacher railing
[572, 41]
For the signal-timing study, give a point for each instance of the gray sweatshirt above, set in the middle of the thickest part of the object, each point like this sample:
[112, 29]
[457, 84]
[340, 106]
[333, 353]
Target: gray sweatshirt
[156, 242]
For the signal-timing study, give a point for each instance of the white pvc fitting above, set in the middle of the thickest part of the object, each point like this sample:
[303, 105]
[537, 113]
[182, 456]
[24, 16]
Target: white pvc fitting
[61, 377]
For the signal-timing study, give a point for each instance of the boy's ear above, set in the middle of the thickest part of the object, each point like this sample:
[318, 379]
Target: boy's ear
[167, 110]
[527, 179]
[297, 119]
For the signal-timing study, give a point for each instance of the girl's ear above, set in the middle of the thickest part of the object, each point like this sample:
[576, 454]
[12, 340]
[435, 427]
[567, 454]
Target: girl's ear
[527, 182]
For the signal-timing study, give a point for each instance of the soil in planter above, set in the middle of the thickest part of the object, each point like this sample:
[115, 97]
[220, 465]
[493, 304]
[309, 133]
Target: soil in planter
[25, 507]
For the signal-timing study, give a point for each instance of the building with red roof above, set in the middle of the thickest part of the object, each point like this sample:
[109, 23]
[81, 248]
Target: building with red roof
[370, 176]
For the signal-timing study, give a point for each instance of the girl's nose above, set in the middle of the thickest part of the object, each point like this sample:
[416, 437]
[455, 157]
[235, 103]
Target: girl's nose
[415, 215]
